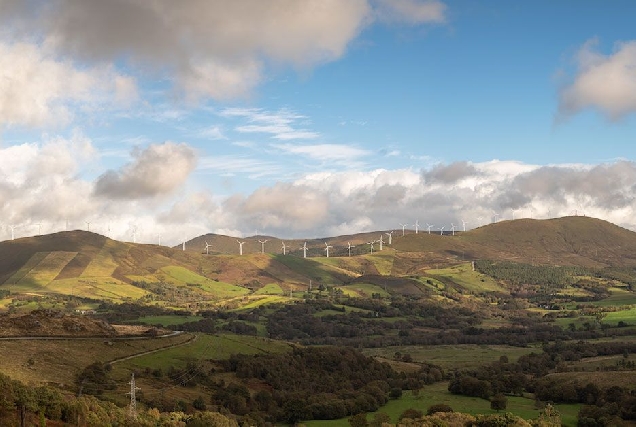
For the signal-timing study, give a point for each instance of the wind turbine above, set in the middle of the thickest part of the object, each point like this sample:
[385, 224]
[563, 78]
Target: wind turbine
[183, 245]
[496, 215]
[416, 225]
[349, 247]
[40, 228]
[159, 237]
[429, 226]
[441, 231]
[207, 248]
[240, 246]
[390, 234]
[327, 248]
[88, 225]
[13, 227]
[381, 242]
[453, 228]
[262, 242]
[134, 234]
[304, 248]
[464, 224]
[284, 249]
[403, 227]
[371, 243]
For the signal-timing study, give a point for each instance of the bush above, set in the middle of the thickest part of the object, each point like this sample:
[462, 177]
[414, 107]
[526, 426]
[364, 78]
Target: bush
[412, 414]
[439, 407]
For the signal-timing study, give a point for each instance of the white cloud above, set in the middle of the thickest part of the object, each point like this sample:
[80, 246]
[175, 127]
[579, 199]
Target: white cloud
[280, 124]
[156, 171]
[238, 165]
[606, 83]
[39, 90]
[324, 152]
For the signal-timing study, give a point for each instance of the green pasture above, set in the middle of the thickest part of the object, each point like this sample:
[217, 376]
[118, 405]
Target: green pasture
[263, 300]
[270, 289]
[627, 316]
[438, 393]
[364, 290]
[454, 356]
[463, 275]
[206, 347]
[35, 259]
[619, 296]
[97, 287]
[383, 261]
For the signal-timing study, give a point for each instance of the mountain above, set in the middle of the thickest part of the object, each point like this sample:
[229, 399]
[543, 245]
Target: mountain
[81, 263]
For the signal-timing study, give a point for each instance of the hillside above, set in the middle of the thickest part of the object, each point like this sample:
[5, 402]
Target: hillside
[85, 264]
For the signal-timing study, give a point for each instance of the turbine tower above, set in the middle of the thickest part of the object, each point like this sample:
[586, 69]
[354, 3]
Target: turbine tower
[262, 242]
[381, 241]
[429, 226]
[183, 245]
[441, 231]
[349, 245]
[240, 246]
[13, 227]
[453, 228]
[496, 215]
[417, 226]
[284, 249]
[40, 228]
[464, 224]
[207, 248]
[371, 244]
[390, 234]
[304, 248]
[327, 248]
[88, 225]
[403, 227]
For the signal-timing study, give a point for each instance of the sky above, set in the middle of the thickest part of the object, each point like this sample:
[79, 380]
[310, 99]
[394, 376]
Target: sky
[160, 121]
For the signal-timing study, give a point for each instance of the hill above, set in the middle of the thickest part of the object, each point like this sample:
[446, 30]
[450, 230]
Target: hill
[85, 264]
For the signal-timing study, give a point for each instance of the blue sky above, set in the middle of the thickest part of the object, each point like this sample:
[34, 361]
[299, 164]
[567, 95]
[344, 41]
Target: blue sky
[314, 118]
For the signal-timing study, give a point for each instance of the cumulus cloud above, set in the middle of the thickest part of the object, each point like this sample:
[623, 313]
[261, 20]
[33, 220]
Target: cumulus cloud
[37, 89]
[218, 49]
[449, 174]
[606, 83]
[155, 171]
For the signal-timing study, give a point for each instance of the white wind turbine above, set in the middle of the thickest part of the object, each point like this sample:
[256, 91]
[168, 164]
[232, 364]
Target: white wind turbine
[381, 242]
[183, 245]
[284, 249]
[304, 248]
[13, 227]
[327, 248]
[390, 234]
[240, 246]
[464, 224]
[39, 228]
[262, 242]
[349, 246]
[496, 215]
[416, 225]
[159, 237]
[88, 225]
[453, 228]
[429, 226]
[371, 243]
[441, 231]
[403, 227]
[207, 248]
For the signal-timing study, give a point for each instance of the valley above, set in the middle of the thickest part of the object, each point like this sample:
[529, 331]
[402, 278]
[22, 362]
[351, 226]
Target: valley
[539, 314]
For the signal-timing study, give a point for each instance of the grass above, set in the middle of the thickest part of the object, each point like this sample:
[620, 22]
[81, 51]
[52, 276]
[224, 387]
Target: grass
[45, 271]
[383, 261]
[207, 347]
[26, 268]
[619, 296]
[97, 287]
[454, 356]
[438, 393]
[463, 275]
[263, 300]
[365, 290]
[103, 263]
[270, 289]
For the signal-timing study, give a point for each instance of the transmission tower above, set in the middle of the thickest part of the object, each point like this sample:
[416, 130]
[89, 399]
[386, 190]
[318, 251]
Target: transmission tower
[132, 410]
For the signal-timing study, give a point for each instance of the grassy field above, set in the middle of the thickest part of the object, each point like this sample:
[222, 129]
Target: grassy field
[107, 288]
[207, 347]
[454, 356]
[365, 290]
[438, 393]
[619, 296]
[270, 289]
[463, 275]
[383, 261]
[58, 361]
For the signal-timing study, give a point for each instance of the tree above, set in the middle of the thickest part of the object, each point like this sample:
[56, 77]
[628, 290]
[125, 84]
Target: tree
[498, 402]
[358, 420]
[438, 407]
[412, 414]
